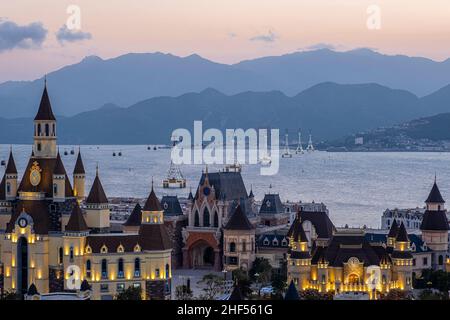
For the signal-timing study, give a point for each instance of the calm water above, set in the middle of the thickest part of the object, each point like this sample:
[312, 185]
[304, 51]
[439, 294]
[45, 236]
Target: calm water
[356, 187]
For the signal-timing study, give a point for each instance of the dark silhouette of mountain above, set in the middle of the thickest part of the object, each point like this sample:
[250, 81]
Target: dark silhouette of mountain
[329, 110]
[133, 77]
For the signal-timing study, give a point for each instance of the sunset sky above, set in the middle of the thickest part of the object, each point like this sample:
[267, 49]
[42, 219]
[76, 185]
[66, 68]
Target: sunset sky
[221, 30]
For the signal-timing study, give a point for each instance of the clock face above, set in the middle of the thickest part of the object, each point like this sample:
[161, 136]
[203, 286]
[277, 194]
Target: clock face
[22, 222]
[206, 191]
[35, 177]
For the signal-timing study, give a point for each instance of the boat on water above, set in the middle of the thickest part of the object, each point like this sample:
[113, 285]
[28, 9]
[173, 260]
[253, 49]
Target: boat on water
[287, 152]
[174, 179]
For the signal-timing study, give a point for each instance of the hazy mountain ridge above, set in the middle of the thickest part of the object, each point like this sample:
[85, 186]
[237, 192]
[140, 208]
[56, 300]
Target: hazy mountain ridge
[329, 110]
[133, 77]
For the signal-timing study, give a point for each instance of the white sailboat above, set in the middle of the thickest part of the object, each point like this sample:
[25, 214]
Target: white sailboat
[287, 152]
[299, 149]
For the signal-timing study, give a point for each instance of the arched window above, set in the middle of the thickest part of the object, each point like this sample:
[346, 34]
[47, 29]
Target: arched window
[104, 269]
[60, 255]
[39, 129]
[244, 246]
[216, 220]
[196, 219]
[55, 189]
[206, 222]
[167, 271]
[39, 147]
[54, 130]
[47, 130]
[137, 267]
[8, 188]
[441, 260]
[232, 247]
[120, 268]
[71, 254]
[88, 268]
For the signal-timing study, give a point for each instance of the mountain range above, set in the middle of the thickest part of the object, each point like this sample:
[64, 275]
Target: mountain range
[134, 77]
[328, 109]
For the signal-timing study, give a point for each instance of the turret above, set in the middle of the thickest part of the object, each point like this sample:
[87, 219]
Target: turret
[393, 231]
[152, 213]
[299, 258]
[79, 178]
[11, 178]
[402, 260]
[435, 227]
[97, 208]
[59, 180]
[134, 220]
[45, 129]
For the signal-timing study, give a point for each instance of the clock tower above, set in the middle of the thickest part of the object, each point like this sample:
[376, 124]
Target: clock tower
[45, 129]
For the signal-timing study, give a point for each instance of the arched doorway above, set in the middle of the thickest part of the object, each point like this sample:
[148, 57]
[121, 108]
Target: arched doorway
[22, 265]
[202, 255]
[353, 279]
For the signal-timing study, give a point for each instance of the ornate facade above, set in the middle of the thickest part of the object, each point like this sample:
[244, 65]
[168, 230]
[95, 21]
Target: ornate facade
[49, 244]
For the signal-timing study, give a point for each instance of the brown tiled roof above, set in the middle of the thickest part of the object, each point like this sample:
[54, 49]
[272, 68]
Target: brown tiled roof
[152, 203]
[435, 195]
[296, 230]
[434, 220]
[402, 235]
[154, 237]
[76, 221]
[135, 217]
[45, 111]
[97, 194]
[112, 242]
[79, 167]
[393, 231]
[46, 185]
[39, 212]
[238, 221]
[59, 166]
[11, 166]
[3, 188]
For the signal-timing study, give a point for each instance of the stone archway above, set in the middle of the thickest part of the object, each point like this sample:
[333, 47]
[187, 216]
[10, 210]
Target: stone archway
[202, 255]
[202, 251]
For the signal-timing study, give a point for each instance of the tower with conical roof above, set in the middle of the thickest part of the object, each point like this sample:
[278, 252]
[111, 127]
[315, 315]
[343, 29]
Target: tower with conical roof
[59, 180]
[435, 228]
[152, 213]
[392, 235]
[11, 178]
[402, 260]
[299, 258]
[97, 207]
[238, 242]
[79, 178]
[45, 129]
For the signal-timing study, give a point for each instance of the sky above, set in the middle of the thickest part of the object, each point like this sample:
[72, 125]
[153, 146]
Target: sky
[36, 37]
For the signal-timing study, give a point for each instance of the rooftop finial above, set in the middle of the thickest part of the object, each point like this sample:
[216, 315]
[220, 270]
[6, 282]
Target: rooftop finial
[152, 182]
[96, 170]
[435, 177]
[45, 80]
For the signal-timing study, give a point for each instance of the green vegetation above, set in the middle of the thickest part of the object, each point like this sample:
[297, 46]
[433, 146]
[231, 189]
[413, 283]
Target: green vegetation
[131, 293]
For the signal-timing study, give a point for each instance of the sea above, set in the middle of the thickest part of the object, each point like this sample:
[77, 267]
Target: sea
[355, 186]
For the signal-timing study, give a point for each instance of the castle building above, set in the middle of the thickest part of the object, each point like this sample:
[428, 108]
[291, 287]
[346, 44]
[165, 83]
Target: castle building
[272, 212]
[48, 244]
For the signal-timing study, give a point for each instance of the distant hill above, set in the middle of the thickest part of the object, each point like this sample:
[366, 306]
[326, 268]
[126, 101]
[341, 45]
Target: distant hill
[329, 110]
[133, 77]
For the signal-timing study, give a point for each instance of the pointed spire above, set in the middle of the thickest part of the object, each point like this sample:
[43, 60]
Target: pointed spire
[152, 203]
[296, 230]
[292, 293]
[236, 294]
[393, 231]
[435, 195]
[76, 221]
[45, 111]
[79, 166]
[97, 194]
[251, 195]
[402, 235]
[135, 217]
[190, 196]
[238, 221]
[32, 290]
[85, 286]
[59, 166]
[11, 166]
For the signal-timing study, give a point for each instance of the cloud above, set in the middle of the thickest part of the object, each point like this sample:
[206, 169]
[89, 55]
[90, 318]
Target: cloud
[64, 34]
[269, 37]
[25, 37]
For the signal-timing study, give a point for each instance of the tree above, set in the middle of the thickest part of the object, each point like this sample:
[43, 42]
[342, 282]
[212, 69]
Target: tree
[429, 294]
[212, 285]
[243, 281]
[131, 293]
[183, 292]
[11, 295]
[279, 285]
[261, 270]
